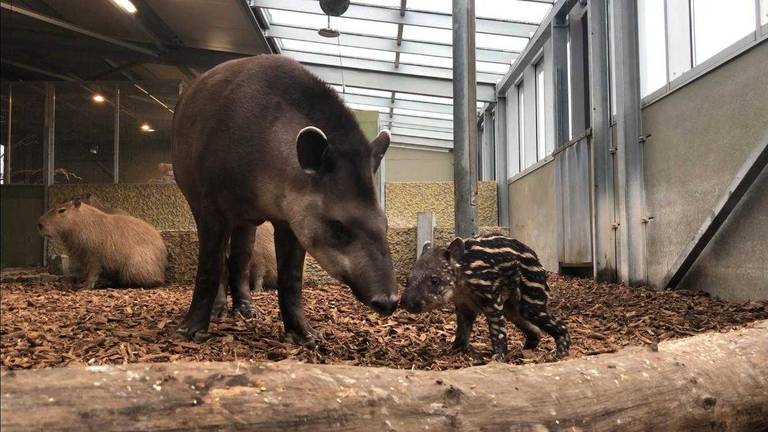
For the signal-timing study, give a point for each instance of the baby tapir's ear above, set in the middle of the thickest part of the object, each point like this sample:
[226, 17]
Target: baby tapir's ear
[379, 146]
[455, 250]
[426, 248]
[311, 146]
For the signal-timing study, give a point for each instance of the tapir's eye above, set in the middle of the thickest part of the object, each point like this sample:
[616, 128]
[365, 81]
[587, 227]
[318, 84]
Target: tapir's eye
[62, 210]
[435, 281]
[339, 233]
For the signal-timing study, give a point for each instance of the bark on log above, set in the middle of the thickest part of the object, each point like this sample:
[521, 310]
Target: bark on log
[706, 382]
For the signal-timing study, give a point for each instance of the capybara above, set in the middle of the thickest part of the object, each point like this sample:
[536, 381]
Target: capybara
[123, 248]
[495, 275]
[261, 272]
[262, 139]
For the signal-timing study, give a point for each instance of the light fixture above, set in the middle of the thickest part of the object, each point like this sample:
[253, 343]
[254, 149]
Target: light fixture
[145, 127]
[126, 5]
[98, 98]
[332, 8]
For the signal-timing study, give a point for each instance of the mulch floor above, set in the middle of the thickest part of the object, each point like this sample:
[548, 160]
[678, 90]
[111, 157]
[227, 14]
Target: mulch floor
[45, 323]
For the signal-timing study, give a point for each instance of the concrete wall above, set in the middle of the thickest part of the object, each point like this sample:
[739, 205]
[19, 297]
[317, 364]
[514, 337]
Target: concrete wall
[404, 200]
[532, 216]
[701, 135]
[409, 165]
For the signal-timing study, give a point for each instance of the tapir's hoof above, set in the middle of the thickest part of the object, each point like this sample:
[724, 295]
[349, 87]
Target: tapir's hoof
[219, 312]
[246, 310]
[309, 340]
[189, 332]
[458, 348]
[500, 357]
[531, 343]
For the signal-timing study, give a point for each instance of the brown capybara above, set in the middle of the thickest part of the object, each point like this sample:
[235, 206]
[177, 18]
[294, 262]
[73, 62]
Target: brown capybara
[122, 247]
[263, 266]
[93, 201]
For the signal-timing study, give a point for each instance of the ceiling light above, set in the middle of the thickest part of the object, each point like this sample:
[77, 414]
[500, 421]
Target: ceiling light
[126, 5]
[145, 127]
[98, 98]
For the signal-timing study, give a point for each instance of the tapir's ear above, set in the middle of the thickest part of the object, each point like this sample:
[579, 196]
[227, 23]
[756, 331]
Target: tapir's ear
[379, 146]
[311, 146]
[426, 248]
[455, 250]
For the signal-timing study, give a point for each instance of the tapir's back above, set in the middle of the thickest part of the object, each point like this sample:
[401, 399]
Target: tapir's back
[240, 119]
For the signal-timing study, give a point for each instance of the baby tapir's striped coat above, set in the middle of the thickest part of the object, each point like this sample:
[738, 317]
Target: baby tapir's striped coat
[495, 275]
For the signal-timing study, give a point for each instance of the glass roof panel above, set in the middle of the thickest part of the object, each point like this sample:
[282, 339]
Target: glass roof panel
[435, 115]
[426, 34]
[345, 25]
[500, 42]
[426, 60]
[511, 10]
[365, 107]
[495, 68]
[336, 50]
[422, 98]
[362, 91]
[386, 3]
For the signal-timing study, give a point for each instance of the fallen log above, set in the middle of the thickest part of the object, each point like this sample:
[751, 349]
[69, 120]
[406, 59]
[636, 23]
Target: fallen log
[714, 381]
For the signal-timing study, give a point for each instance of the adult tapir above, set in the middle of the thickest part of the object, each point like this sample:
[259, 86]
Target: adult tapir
[262, 139]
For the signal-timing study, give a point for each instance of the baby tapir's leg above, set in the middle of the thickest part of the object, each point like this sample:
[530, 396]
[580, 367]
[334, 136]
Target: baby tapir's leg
[530, 330]
[534, 309]
[465, 319]
[493, 307]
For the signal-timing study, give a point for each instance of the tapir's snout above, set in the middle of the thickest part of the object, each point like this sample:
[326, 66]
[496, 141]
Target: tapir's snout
[385, 305]
[411, 302]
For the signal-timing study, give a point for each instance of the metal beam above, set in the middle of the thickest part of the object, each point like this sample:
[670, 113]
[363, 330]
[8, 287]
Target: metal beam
[501, 147]
[392, 15]
[395, 82]
[37, 70]
[741, 183]
[386, 44]
[258, 32]
[381, 66]
[421, 141]
[464, 118]
[629, 148]
[603, 204]
[424, 122]
[77, 29]
[398, 103]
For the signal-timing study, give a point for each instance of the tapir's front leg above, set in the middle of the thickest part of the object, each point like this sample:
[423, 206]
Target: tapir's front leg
[493, 307]
[465, 319]
[290, 271]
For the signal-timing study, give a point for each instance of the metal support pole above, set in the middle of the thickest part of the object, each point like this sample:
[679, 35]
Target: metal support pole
[7, 153]
[116, 142]
[629, 151]
[501, 160]
[560, 78]
[49, 128]
[464, 116]
[603, 216]
[425, 230]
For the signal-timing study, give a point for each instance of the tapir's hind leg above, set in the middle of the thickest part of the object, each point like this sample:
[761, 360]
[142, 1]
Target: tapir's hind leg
[290, 271]
[212, 235]
[241, 249]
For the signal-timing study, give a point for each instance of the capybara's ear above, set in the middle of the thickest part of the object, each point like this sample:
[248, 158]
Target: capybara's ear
[77, 202]
[311, 147]
[455, 250]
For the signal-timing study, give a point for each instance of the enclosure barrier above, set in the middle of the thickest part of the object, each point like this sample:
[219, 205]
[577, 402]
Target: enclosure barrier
[713, 381]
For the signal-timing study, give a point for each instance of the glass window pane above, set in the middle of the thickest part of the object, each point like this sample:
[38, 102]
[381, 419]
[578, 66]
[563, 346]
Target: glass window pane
[422, 98]
[145, 131]
[336, 50]
[26, 140]
[84, 133]
[365, 107]
[653, 57]
[511, 10]
[541, 131]
[494, 41]
[521, 124]
[678, 38]
[763, 12]
[717, 25]
[428, 114]
[427, 34]
[362, 91]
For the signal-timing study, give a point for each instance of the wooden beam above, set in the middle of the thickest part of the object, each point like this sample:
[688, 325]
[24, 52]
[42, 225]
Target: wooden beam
[745, 177]
[714, 381]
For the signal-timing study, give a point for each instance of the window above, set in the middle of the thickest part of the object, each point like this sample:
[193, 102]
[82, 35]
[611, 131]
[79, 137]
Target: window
[763, 12]
[541, 130]
[678, 38]
[717, 26]
[653, 58]
[521, 125]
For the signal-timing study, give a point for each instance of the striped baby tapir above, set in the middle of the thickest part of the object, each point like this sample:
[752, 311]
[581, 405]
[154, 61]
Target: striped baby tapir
[495, 275]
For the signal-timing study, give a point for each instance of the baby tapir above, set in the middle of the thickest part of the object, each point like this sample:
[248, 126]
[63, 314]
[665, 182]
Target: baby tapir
[495, 275]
